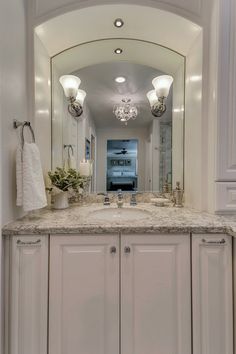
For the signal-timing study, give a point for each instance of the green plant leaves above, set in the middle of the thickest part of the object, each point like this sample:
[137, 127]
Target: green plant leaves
[67, 179]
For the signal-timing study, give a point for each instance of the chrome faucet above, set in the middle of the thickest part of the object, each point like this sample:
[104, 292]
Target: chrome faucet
[120, 195]
[133, 200]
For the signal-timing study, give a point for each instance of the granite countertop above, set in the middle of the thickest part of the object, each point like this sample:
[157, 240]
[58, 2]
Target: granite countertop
[77, 219]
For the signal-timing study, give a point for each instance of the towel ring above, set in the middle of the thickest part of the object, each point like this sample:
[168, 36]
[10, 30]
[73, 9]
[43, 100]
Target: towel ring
[26, 124]
[70, 151]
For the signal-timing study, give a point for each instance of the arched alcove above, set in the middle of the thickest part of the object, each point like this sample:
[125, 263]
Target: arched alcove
[142, 25]
[140, 22]
[193, 10]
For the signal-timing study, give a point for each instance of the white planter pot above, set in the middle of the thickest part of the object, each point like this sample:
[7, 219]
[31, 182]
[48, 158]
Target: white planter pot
[61, 201]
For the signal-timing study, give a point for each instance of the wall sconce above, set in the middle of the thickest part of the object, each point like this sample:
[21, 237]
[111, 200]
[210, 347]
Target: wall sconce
[70, 84]
[160, 93]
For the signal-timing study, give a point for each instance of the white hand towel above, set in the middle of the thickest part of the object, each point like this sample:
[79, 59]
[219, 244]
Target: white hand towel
[19, 176]
[33, 195]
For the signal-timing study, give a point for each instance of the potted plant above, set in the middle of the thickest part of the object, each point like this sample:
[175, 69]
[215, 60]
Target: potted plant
[65, 183]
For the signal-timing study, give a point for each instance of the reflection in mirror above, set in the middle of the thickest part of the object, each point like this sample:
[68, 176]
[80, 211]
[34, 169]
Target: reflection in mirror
[131, 128]
[122, 163]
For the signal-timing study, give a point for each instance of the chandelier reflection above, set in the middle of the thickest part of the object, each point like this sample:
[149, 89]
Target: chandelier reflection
[125, 111]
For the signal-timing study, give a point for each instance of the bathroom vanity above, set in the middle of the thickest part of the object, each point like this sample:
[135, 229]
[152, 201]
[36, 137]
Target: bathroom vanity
[80, 284]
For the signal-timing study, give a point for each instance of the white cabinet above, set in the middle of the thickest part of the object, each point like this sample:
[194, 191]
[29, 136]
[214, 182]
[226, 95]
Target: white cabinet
[85, 286]
[155, 294]
[226, 107]
[27, 295]
[212, 294]
[225, 152]
[128, 294]
[84, 295]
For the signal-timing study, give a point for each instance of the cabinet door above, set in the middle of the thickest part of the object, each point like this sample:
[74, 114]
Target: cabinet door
[212, 294]
[28, 295]
[156, 300]
[84, 295]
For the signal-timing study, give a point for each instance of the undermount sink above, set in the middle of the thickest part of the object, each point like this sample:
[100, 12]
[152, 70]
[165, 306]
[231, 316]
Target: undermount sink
[122, 214]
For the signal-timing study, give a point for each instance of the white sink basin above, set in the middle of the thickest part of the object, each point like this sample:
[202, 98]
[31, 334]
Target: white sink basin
[119, 214]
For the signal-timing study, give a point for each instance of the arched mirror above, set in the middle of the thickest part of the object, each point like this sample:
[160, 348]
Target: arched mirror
[130, 141]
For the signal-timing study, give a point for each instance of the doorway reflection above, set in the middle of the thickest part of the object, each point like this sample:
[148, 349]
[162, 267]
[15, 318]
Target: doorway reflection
[122, 165]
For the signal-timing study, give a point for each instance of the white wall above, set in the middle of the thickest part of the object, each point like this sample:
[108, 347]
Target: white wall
[155, 155]
[86, 127]
[67, 130]
[178, 128]
[148, 159]
[193, 126]
[64, 126]
[57, 119]
[42, 117]
[13, 96]
[13, 103]
[142, 135]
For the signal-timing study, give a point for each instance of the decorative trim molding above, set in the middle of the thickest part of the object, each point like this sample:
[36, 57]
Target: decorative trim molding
[225, 197]
[226, 120]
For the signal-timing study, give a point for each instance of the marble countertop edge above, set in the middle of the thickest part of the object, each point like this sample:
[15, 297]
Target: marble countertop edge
[124, 229]
[76, 220]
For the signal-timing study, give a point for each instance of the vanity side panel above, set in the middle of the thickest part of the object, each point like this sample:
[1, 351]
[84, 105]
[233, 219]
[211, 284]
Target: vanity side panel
[6, 292]
[234, 291]
[212, 294]
[28, 294]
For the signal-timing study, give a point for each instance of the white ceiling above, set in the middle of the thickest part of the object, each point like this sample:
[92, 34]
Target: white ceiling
[103, 92]
[134, 51]
[96, 22]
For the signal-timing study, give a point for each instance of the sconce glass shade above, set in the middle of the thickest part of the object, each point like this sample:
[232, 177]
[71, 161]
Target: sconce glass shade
[152, 97]
[81, 94]
[162, 85]
[70, 84]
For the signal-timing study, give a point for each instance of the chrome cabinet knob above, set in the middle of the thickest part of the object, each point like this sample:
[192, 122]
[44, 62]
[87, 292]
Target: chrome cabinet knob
[127, 249]
[113, 249]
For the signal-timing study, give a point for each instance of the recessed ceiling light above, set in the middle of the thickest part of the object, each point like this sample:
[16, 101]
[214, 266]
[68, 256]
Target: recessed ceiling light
[118, 23]
[120, 79]
[118, 50]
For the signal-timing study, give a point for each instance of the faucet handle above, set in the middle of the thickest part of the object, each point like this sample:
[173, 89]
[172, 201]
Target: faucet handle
[133, 200]
[106, 200]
